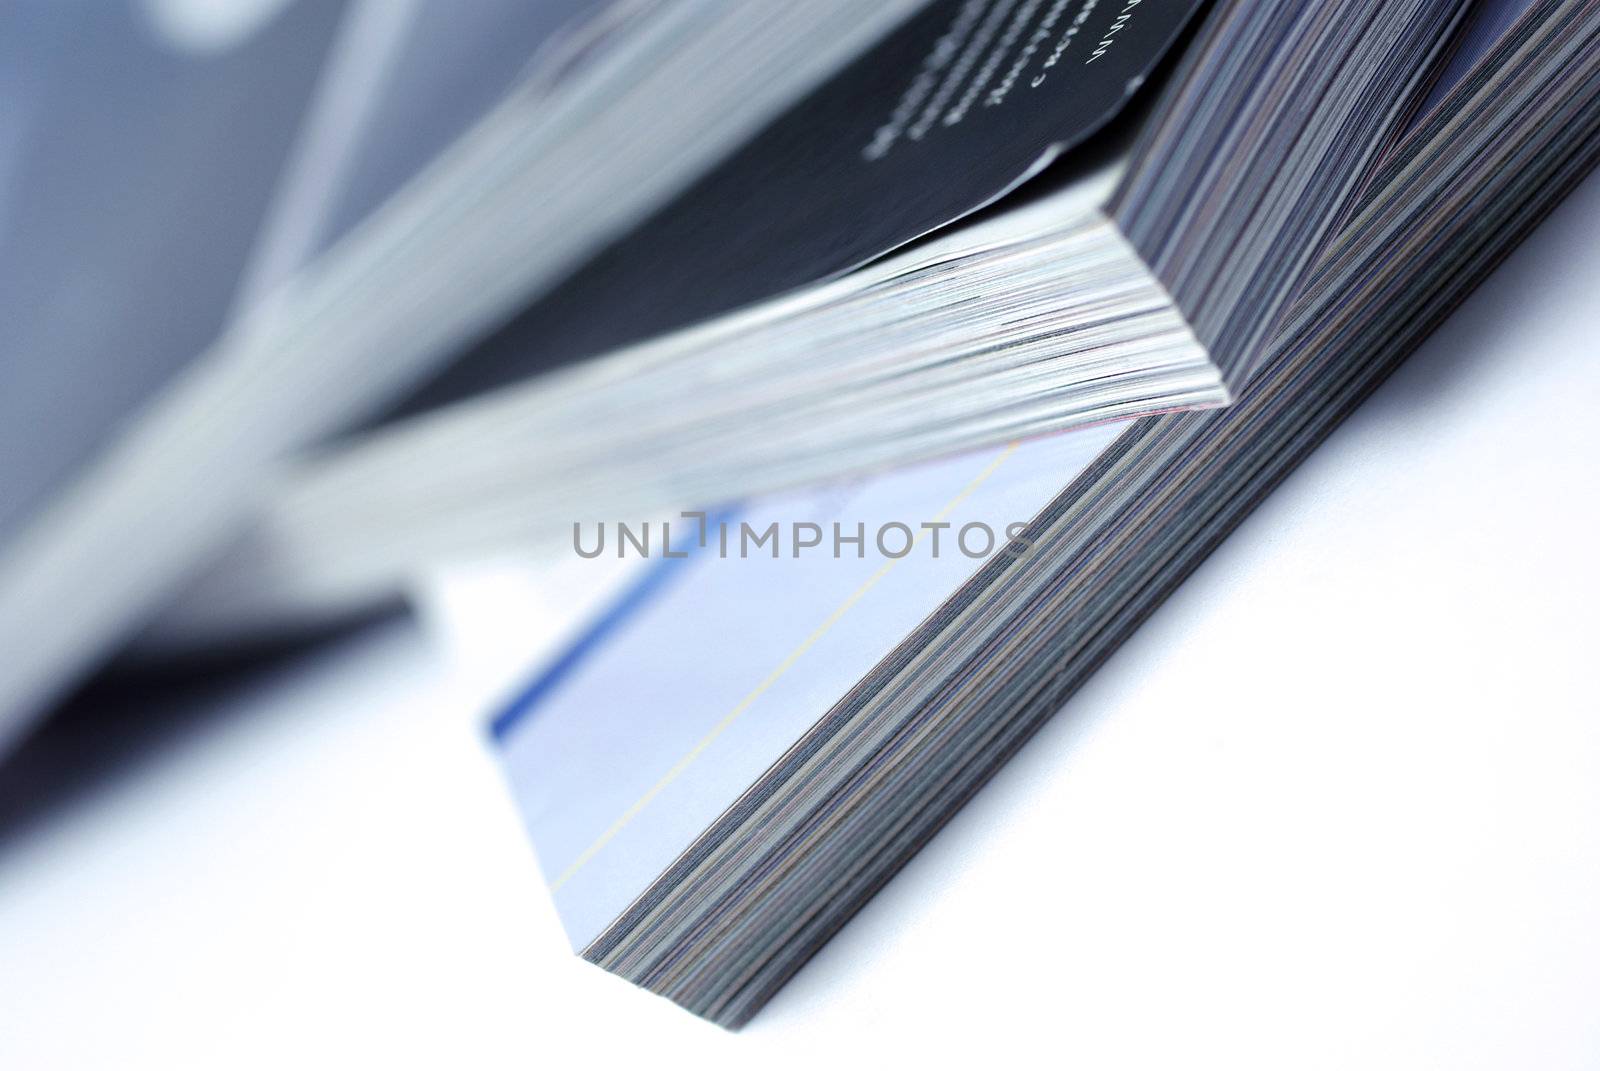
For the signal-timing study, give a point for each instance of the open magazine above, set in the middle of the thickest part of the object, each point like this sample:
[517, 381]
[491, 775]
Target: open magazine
[793, 695]
[913, 351]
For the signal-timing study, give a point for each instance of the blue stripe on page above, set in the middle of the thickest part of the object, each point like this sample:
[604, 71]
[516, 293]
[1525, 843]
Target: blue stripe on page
[638, 594]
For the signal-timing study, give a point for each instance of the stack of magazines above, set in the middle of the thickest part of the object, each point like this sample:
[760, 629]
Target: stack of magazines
[916, 351]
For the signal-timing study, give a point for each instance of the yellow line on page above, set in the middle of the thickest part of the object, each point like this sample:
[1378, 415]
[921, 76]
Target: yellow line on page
[772, 678]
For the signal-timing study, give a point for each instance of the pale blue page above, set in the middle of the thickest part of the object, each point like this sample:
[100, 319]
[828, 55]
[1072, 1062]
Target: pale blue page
[649, 734]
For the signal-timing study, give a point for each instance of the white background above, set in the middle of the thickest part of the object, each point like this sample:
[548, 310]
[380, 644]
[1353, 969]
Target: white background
[1337, 804]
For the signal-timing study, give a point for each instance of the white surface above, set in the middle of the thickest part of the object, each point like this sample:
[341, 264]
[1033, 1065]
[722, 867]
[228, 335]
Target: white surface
[1337, 804]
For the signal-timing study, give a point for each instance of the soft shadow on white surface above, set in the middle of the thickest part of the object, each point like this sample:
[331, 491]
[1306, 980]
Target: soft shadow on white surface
[1337, 804]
